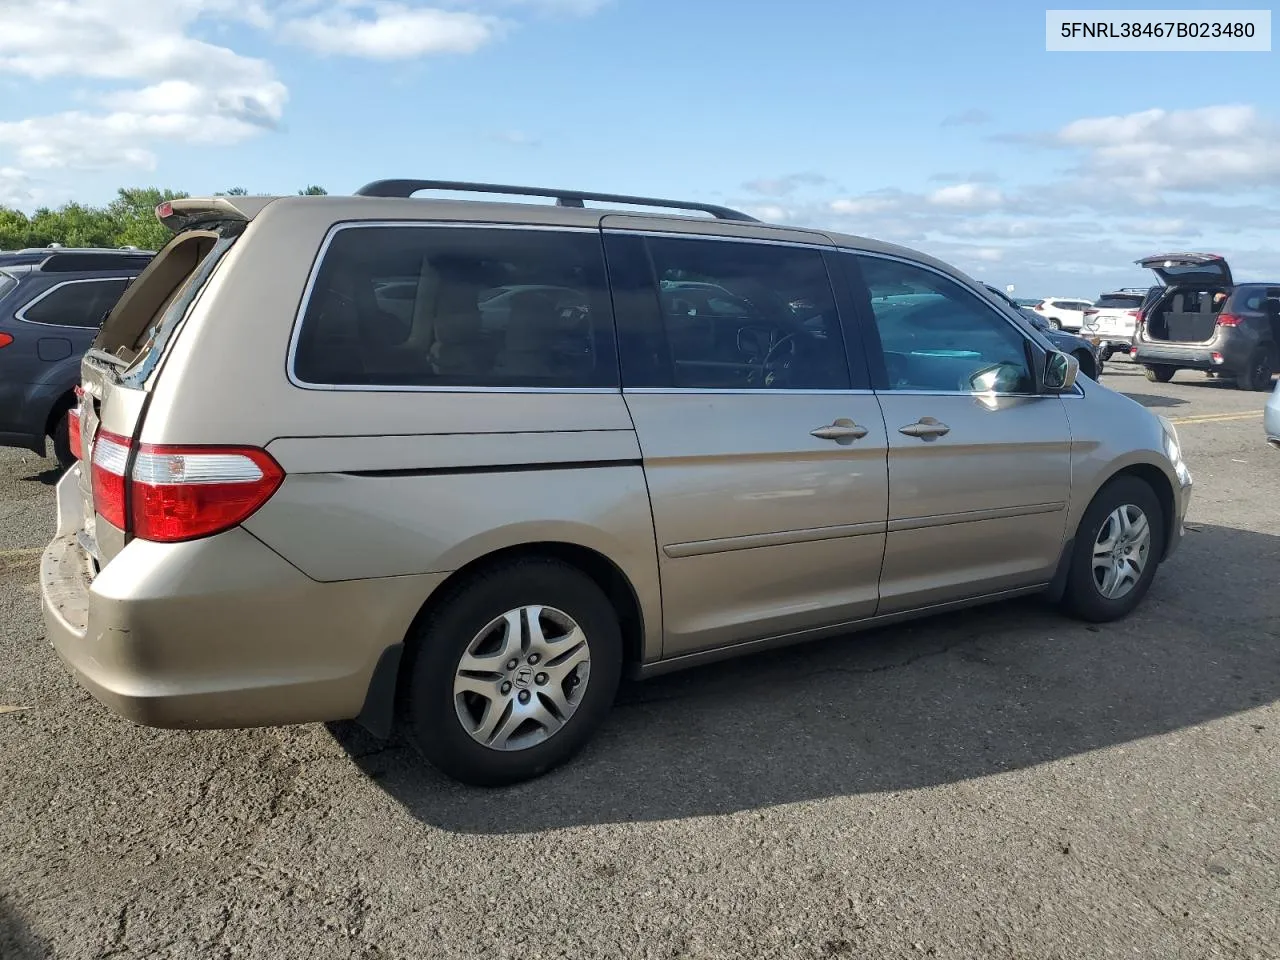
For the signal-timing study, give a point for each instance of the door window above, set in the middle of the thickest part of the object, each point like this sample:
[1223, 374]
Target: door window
[696, 313]
[938, 337]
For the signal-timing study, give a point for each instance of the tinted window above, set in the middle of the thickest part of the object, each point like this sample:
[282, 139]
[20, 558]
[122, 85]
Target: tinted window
[727, 315]
[80, 303]
[938, 336]
[7, 283]
[1119, 301]
[465, 307]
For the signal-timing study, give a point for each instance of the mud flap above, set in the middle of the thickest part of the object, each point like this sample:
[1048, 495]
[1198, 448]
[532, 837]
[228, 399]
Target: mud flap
[1058, 585]
[379, 710]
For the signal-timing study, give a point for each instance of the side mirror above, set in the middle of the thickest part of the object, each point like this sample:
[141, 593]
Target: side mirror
[1060, 372]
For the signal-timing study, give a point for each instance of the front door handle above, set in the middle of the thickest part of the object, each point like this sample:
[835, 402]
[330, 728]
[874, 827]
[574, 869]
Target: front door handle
[843, 431]
[926, 428]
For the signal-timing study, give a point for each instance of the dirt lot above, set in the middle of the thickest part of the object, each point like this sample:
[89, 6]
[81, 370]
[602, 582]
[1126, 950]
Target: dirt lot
[1004, 783]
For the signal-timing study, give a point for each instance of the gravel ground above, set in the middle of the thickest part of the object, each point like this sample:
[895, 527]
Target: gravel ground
[1003, 783]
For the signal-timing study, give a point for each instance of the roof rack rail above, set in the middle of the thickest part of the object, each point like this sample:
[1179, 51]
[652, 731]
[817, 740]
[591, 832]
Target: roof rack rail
[80, 261]
[563, 198]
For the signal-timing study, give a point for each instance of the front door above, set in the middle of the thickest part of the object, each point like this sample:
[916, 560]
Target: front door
[979, 461]
[765, 457]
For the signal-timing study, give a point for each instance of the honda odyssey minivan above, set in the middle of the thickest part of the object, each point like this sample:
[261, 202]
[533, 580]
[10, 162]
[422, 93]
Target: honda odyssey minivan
[458, 465]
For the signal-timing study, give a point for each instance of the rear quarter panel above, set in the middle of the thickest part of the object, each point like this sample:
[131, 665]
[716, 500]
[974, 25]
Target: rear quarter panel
[389, 483]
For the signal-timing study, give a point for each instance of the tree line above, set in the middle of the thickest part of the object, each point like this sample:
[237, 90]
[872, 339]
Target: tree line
[127, 221]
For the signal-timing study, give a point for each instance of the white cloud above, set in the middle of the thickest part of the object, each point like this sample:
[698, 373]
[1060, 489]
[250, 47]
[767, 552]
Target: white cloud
[970, 196]
[786, 185]
[391, 31]
[15, 188]
[1206, 149]
[165, 71]
[186, 89]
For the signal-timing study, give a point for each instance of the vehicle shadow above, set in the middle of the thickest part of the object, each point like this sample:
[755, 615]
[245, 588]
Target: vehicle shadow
[1152, 400]
[48, 478]
[16, 942]
[935, 702]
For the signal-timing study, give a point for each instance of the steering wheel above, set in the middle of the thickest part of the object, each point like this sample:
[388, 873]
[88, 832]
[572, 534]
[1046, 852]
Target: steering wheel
[774, 357]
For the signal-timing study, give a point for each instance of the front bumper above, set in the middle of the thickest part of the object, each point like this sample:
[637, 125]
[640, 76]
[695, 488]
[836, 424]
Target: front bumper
[220, 632]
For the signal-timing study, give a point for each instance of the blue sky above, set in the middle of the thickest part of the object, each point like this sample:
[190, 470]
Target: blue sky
[944, 127]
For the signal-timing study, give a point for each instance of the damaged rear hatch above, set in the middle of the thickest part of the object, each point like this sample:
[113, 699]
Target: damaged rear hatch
[118, 371]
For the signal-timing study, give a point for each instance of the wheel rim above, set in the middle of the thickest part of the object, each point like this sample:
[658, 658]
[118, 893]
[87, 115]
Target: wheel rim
[521, 678]
[1121, 551]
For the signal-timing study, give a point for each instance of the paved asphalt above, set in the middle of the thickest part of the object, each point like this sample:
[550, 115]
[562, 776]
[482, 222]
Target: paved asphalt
[1004, 783]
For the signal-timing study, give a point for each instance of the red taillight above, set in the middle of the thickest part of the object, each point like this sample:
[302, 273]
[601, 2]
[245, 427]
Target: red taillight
[184, 493]
[1134, 313]
[110, 460]
[74, 439]
[1228, 320]
[5, 339]
[1090, 312]
[164, 210]
[1039, 306]
[180, 493]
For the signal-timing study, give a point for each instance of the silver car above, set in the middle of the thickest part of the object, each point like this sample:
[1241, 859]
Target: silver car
[463, 464]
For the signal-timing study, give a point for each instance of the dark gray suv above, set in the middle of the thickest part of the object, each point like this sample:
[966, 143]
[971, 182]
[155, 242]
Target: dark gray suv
[52, 302]
[1202, 320]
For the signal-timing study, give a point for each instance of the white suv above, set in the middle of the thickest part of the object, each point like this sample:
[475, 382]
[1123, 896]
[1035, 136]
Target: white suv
[1113, 318]
[1062, 314]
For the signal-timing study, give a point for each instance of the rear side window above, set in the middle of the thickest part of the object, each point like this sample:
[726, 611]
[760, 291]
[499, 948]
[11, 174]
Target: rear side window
[7, 283]
[407, 305]
[75, 303]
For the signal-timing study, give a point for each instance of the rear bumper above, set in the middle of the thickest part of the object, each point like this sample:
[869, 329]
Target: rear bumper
[220, 632]
[1225, 356]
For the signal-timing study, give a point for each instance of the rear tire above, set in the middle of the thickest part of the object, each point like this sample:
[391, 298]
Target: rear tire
[1101, 538]
[62, 444]
[1261, 369]
[474, 625]
[1160, 372]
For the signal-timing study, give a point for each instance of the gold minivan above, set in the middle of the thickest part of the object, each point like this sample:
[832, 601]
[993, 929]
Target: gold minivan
[460, 464]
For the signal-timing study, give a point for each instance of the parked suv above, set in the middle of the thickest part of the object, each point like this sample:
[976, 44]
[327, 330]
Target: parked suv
[1200, 319]
[1061, 313]
[466, 462]
[1113, 318]
[51, 304]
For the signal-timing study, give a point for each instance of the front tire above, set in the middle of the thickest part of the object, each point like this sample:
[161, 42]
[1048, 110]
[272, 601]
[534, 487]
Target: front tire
[513, 672]
[1117, 550]
[1261, 369]
[1160, 372]
[1055, 324]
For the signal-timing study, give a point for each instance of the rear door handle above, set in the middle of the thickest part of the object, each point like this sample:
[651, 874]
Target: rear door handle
[842, 431]
[926, 428]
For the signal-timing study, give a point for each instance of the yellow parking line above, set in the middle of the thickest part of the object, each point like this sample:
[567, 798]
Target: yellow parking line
[1218, 417]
